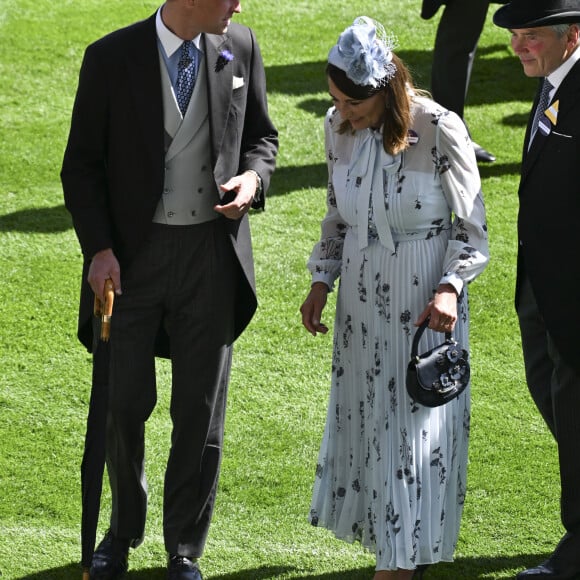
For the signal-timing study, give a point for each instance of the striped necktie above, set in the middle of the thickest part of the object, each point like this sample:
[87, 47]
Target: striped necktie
[542, 106]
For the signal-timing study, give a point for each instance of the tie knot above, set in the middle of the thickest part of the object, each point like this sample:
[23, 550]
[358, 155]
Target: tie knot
[547, 87]
[544, 96]
[545, 93]
[186, 56]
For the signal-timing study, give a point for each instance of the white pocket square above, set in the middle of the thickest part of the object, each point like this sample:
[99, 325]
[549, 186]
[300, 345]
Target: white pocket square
[237, 83]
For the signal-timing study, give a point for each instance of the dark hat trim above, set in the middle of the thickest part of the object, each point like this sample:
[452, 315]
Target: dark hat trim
[529, 14]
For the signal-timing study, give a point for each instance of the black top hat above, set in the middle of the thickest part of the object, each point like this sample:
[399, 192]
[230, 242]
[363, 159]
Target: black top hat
[533, 13]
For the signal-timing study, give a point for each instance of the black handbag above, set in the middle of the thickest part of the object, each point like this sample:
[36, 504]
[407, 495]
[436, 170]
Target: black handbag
[439, 375]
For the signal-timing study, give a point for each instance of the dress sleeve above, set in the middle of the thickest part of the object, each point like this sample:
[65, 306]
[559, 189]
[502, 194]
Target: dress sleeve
[326, 258]
[468, 250]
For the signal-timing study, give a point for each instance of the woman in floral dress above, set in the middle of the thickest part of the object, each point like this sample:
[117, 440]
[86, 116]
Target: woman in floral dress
[405, 232]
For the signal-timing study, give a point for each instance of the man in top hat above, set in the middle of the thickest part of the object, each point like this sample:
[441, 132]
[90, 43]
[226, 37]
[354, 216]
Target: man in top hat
[545, 36]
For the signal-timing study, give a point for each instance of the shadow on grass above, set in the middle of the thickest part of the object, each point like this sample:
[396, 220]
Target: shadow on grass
[499, 169]
[45, 220]
[497, 76]
[497, 568]
[74, 572]
[289, 179]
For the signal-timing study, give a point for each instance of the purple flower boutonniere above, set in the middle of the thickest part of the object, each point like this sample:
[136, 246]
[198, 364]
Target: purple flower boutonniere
[224, 57]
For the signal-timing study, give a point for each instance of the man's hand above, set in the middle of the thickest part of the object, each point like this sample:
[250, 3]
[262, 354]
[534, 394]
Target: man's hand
[104, 265]
[243, 187]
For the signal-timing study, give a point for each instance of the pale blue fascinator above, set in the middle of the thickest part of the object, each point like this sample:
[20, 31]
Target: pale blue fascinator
[364, 51]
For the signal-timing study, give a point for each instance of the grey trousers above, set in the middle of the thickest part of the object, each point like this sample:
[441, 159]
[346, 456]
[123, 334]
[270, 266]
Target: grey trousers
[182, 281]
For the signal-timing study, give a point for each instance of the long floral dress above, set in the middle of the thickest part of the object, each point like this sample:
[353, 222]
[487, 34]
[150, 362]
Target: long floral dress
[392, 474]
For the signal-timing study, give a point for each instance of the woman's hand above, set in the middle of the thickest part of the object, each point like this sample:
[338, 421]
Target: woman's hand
[312, 308]
[442, 309]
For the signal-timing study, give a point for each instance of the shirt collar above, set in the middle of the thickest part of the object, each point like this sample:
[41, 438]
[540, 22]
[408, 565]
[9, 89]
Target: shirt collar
[560, 73]
[169, 40]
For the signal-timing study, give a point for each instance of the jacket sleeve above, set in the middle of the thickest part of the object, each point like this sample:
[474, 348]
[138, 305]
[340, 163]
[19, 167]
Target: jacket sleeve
[326, 259]
[468, 249]
[259, 137]
[84, 171]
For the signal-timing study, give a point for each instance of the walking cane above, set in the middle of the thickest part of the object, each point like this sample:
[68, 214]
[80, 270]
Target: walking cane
[93, 464]
[105, 311]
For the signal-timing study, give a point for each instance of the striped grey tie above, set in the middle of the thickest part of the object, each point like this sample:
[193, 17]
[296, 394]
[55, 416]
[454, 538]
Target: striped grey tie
[542, 106]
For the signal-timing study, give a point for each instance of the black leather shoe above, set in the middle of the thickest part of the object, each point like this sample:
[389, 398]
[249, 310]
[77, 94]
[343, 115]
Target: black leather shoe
[111, 558]
[482, 155]
[552, 571]
[182, 568]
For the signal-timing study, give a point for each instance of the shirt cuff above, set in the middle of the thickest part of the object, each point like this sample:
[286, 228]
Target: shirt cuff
[259, 185]
[322, 277]
[454, 280]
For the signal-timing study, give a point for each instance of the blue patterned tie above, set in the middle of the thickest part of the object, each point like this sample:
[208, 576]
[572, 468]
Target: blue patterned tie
[186, 69]
[542, 105]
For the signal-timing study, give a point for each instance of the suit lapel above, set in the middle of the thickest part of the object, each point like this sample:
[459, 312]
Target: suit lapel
[568, 97]
[144, 72]
[531, 152]
[219, 89]
[195, 116]
[531, 119]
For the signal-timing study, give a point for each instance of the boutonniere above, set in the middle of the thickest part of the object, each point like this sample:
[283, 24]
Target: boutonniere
[224, 57]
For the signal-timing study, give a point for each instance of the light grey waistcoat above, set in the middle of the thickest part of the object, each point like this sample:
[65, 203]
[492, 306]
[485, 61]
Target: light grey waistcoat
[189, 189]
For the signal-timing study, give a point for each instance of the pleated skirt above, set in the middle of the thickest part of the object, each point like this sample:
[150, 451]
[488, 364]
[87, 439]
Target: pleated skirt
[390, 473]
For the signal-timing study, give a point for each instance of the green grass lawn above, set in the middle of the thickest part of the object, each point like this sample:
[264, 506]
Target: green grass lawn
[280, 380]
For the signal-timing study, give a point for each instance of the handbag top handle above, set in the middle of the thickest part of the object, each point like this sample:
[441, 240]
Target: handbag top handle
[419, 333]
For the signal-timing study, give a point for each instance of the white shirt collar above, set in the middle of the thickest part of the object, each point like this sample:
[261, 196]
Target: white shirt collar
[560, 73]
[169, 40]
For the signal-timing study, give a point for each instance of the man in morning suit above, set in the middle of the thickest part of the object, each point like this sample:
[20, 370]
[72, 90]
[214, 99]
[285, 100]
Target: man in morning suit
[169, 147]
[456, 41]
[545, 37]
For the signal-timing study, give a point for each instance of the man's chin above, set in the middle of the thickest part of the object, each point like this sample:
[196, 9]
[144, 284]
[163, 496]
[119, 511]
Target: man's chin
[530, 70]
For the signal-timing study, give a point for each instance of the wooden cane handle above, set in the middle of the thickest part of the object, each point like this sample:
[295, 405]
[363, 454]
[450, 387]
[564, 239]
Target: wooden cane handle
[109, 297]
[107, 310]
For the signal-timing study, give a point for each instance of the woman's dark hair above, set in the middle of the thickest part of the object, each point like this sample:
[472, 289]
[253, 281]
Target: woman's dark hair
[348, 87]
[398, 103]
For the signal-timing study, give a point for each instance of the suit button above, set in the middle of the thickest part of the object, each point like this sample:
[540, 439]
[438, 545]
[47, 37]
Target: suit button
[170, 214]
